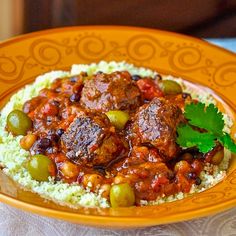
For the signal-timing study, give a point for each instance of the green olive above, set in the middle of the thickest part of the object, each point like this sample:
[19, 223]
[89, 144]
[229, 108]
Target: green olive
[18, 123]
[171, 87]
[39, 166]
[118, 118]
[122, 195]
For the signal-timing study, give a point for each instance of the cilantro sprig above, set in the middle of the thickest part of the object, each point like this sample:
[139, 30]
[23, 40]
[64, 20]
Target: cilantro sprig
[210, 120]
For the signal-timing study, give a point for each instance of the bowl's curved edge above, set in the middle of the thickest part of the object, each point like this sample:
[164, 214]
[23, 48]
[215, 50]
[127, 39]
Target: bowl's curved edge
[106, 221]
[112, 221]
[109, 27]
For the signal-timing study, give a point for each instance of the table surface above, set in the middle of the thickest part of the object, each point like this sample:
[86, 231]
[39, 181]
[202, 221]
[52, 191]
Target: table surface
[16, 222]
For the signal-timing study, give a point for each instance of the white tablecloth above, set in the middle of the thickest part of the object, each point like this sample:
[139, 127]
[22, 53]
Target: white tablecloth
[14, 222]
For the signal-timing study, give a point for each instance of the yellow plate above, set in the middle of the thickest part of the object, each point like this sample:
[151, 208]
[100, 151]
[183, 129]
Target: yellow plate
[25, 57]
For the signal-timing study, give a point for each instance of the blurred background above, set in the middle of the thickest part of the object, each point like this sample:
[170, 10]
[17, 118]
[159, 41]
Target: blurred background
[201, 18]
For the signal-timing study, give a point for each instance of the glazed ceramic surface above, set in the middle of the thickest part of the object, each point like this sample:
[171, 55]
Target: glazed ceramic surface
[25, 57]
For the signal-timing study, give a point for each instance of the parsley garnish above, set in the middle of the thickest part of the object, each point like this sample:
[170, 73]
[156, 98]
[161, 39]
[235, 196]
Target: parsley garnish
[208, 118]
[227, 141]
[187, 137]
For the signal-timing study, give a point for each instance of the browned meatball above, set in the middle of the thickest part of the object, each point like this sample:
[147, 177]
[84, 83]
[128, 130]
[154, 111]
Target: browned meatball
[115, 91]
[155, 124]
[91, 140]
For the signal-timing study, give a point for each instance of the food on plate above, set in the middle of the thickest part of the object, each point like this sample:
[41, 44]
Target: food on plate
[114, 135]
[91, 140]
[114, 91]
[155, 124]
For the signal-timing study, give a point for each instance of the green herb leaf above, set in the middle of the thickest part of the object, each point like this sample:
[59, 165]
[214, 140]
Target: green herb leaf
[228, 142]
[211, 120]
[205, 117]
[187, 137]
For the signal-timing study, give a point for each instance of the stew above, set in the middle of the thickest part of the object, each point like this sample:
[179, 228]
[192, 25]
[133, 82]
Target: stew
[114, 133]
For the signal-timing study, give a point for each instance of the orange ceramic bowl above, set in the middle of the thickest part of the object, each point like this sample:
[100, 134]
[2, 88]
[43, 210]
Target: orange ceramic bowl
[25, 57]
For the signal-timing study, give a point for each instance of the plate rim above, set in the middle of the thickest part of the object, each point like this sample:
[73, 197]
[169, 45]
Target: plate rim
[118, 221]
[108, 27]
[100, 220]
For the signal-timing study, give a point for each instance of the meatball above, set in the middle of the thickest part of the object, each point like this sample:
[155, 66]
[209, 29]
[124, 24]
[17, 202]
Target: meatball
[115, 91]
[155, 125]
[91, 140]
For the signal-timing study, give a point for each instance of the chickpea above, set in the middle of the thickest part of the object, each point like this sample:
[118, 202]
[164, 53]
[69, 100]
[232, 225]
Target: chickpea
[105, 188]
[27, 141]
[92, 180]
[182, 166]
[69, 170]
[218, 157]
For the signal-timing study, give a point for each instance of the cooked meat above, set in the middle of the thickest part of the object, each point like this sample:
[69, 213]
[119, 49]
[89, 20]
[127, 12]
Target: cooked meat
[91, 140]
[179, 100]
[115, 91]
[155, 124]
